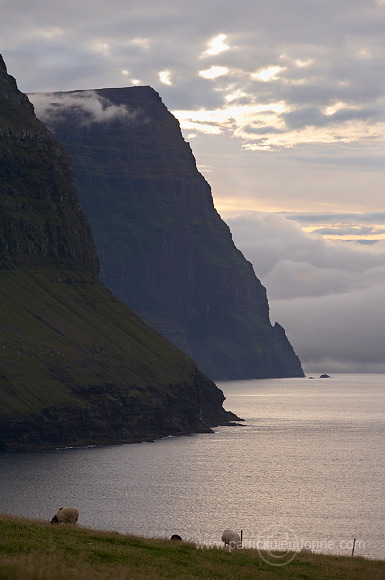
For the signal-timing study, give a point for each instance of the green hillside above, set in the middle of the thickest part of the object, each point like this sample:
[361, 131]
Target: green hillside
[34, 550]
[73, 358]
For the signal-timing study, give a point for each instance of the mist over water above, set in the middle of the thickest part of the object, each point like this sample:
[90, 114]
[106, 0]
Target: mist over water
[308, 462]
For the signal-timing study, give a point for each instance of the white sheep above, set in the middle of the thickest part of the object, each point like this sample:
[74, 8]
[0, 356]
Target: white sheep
[231, 539]
[67, 515]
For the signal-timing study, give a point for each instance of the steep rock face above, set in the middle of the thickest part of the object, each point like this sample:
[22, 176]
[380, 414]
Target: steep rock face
[163, 248]
[40, 216]
[76, 365]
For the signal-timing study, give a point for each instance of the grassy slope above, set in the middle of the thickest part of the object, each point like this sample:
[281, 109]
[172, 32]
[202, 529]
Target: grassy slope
[32, 550]
[61, 329]
[69, 324]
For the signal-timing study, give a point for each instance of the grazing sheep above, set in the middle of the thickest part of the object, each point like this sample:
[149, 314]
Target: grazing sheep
[231, 539]
[67, 515]
[176, 537]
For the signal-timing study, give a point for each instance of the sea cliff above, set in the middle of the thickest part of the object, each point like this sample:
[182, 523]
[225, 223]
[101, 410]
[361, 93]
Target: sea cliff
[163, 248]
[77, 367]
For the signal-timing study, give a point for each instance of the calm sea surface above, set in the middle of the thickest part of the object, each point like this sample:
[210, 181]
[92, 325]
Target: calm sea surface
[308, 465]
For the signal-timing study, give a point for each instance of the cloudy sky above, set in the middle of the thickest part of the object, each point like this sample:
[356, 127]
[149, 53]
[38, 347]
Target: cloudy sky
[283, 105]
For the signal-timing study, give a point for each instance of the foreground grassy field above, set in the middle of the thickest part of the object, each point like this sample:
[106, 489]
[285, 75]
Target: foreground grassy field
[35, 550]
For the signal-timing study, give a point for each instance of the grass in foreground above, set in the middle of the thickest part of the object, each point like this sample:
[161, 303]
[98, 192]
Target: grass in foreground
[34, 550]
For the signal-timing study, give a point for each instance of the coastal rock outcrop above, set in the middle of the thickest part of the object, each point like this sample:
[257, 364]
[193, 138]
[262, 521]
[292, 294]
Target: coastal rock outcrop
[163, 248]
[77, 367]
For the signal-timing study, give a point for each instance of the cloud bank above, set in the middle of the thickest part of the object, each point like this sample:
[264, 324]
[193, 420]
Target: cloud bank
[328, 295]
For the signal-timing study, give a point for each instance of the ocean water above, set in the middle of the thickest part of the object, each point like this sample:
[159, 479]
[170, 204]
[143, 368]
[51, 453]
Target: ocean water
[306, 467]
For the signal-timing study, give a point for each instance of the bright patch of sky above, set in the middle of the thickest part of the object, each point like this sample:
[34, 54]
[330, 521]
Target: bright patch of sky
[165, 77]
[214, 72]
[267, 74]
[215, 46]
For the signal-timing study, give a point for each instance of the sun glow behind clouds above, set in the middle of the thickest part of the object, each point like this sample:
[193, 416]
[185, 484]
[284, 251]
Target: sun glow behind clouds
[214, 72]
[215, 46]
[267, 74]
[250, 113]
[265, 126]
[164, 77]
[260, 108]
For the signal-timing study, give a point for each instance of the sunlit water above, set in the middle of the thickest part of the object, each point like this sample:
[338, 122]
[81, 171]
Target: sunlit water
[309, 462]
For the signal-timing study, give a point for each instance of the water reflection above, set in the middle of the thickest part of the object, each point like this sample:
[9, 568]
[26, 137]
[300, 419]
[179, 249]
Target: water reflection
[310, 457]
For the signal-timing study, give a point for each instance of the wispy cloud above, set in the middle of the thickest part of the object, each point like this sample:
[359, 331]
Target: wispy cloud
[346, 226]
[95, 108]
